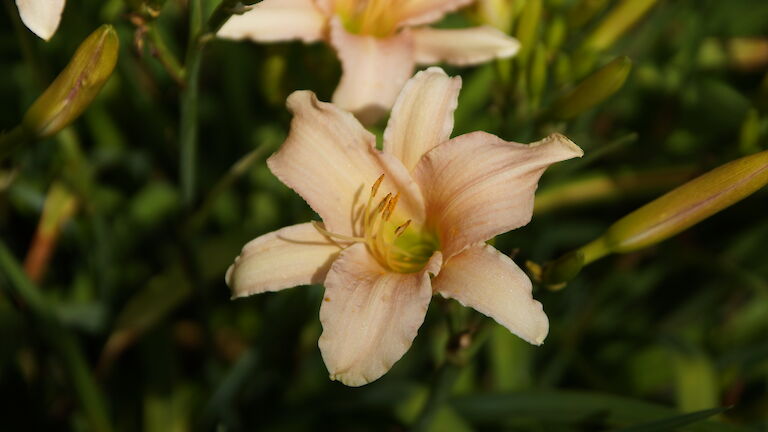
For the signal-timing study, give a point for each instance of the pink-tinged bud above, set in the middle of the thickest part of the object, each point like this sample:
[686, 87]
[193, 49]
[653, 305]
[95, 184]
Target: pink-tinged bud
[76, 86]
[664, 217]
[687, 205]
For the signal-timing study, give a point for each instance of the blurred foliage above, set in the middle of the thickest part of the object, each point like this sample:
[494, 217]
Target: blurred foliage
[129, 326]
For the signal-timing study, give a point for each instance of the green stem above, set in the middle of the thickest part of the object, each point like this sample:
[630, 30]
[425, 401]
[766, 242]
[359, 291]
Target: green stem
[238, 169]
[461, 348]
[224, 10]
[189, 99]
[27, 49]
[165, 56]
[438, 394]
[63, 341]
[594, 250]
[11, 141]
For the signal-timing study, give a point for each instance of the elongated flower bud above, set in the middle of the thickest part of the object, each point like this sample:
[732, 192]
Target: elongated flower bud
[76, 86]
[594, 89]
[496, 13]
[527, 28]
[60, 206]
[664, 217]
[689, 204]
[618, 21]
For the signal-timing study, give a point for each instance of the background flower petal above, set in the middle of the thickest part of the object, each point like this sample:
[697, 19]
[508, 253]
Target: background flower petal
[462, 46]
[291, 256]
[477, 185]
[422, 116]
[374, 71]
[491, 283]
[42, 17]
[370, 317]
[277, 20]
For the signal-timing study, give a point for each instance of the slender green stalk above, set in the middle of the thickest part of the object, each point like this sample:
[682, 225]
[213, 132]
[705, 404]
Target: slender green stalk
[27, 49]
[236, 171]
[461, 347]
[165, 56]
[224, 10]
[438, 394]
[64, 342]
[11, 141]
[189, 99]
[198, 37]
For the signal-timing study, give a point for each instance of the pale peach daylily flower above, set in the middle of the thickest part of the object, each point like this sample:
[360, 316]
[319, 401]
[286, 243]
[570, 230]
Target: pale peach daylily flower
[41, 16]
[379, 42]
[399, 224]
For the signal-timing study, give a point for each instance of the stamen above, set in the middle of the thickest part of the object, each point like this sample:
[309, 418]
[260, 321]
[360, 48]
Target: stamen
[391, 207]
[333, 235]
[375, 187]
[367, 210]
[401, 229]
[384, 203]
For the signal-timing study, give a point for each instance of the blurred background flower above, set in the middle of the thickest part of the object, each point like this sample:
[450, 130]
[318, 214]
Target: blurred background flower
[379, 42]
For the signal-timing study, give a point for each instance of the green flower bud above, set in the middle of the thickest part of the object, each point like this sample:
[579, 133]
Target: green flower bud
[751, 132]
[616, 23]
[538, 74]
[683, 207]
[496, 13]
[594, 89]
[659, 220]
[583, 11]
[75, 87]
[557, 33]
[527, 28]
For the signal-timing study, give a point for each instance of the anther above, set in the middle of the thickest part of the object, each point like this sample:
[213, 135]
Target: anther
[384, 203]
[375, 187]
[391, 207]
[401, 229]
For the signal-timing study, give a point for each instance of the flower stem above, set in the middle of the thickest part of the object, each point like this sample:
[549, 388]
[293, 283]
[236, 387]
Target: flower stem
[189, 99]
[235, 172]
[165, 56]
[441, 388]
[224, 10]
[460, 349]
[12, 140]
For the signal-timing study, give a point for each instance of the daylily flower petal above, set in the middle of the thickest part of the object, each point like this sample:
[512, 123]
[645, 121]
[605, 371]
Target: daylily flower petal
[490, 282]
[277, 20]
[374, 71]
[328, 159]
[41, 16]
[477, 185]
[398, 179]
[462, 47]
[331, 161]
[370, 316]
[418, 12]
[291, 256]
[422, 116]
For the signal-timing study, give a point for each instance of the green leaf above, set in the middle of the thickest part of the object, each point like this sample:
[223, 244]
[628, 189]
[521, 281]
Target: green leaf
[569, 407]
[676, 421]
